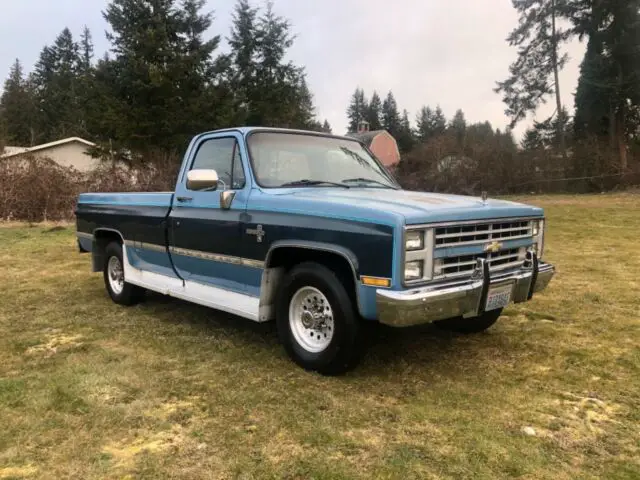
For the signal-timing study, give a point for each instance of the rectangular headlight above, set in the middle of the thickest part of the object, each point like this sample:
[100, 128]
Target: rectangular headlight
[414, 240]
[414, 270]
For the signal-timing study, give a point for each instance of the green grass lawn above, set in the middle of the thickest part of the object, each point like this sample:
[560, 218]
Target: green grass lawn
[166, 389]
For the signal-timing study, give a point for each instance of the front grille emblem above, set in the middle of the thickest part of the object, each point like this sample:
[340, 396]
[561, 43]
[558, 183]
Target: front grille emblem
[493, 247]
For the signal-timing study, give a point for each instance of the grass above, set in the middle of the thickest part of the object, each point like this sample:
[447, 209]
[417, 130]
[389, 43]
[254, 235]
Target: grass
[171, 390]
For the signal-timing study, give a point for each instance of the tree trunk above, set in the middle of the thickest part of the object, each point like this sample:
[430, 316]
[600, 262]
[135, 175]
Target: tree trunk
[556, 74]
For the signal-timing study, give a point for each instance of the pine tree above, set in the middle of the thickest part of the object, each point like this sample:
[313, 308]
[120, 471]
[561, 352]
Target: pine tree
[326, 127]
[423, 124]
[268, 89]
[244, 44]
[57, 79]
[608, 95]
[459, 126]
[390, 115]
[17, 109]
[439, 122]
[357, 110]
[163, 72]
[86, 50]
[374, 112]
[405, 137]
[535, 74]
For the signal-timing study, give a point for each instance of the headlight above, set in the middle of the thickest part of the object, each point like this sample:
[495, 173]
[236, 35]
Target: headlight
[414, 270]
[414, 241]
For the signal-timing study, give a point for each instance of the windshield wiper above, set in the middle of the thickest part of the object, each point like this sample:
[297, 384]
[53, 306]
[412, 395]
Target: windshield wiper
[306, 182]
[368, 180]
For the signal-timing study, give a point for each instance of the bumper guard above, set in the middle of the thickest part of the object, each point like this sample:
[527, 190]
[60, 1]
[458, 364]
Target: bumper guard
[466, 298]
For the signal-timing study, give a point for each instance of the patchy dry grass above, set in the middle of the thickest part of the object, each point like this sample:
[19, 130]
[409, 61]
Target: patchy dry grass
[171, 390]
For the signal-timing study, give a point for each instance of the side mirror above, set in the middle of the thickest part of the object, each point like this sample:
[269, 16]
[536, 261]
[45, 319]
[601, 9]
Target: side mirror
[202, 180]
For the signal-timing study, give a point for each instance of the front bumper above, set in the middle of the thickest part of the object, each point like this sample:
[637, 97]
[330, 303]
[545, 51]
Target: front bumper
[465, 298]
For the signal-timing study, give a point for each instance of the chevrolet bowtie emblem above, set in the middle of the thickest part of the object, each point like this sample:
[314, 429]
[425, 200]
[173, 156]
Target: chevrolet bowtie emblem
[493, 247]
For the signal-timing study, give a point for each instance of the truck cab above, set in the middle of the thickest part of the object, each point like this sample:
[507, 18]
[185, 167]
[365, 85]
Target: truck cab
[311, 231]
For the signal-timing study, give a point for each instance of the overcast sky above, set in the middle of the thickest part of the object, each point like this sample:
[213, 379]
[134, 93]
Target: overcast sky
[447, 52]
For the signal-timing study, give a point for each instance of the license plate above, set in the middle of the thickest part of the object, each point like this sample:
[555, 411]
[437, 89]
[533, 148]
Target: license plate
[498, 297]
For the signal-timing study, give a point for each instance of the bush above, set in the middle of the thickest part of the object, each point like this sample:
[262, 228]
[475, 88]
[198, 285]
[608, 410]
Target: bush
[37, 189]
[476, 164]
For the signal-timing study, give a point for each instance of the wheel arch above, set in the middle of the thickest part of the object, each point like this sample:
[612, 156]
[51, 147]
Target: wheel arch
[101, 238]
[284, 255]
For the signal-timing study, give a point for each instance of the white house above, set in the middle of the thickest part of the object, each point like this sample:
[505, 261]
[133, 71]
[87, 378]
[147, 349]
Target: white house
[69, 152]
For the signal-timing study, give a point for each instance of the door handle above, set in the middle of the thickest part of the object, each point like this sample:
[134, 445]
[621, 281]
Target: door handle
[184, 199]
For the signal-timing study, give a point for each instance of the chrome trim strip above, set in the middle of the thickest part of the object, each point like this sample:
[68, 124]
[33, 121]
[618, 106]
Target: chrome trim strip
[216, 257]
[87, 236]
[472, 222]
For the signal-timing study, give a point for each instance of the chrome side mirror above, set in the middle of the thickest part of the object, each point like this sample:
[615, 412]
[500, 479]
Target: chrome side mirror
[202, 180]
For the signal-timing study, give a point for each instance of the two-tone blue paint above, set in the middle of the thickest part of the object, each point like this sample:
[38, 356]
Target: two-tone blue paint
[365, 224]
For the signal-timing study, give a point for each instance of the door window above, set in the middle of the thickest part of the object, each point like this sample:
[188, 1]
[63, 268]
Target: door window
[223, 156]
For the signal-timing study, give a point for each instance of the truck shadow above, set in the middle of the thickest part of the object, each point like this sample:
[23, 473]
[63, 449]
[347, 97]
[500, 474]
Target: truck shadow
[387, 349]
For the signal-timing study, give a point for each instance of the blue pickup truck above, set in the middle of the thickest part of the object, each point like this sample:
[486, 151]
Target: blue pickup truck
[311, 231]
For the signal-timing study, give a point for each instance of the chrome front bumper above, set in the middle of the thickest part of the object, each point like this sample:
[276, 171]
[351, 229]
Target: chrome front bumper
[460, 298]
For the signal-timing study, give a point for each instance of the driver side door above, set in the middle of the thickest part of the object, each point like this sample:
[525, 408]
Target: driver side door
[206, 234]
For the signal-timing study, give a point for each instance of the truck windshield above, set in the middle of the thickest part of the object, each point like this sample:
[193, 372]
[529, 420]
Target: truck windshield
[298, 160]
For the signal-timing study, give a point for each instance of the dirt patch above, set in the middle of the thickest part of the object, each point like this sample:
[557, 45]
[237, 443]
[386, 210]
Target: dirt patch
[55, 344]
[18, 472]
[578, 419]
[124, 454]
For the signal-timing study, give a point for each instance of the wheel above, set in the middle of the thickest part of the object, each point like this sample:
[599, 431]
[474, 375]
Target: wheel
[470, 325]
[317, 321]
[119, 290]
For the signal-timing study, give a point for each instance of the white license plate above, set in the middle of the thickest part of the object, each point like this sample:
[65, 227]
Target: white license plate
[499, 297]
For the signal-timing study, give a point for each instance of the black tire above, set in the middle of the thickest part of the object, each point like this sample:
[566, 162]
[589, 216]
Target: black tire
[470, 325]
[346, 346]
[130, 294]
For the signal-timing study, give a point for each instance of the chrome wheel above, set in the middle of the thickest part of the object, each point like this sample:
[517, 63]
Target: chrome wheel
[311, 319]
[116, 275]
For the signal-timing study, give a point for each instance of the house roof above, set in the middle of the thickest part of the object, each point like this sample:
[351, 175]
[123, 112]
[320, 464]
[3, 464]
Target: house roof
[367, 137]
[13, 151]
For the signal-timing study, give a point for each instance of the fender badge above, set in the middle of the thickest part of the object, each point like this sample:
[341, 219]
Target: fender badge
[258, 232]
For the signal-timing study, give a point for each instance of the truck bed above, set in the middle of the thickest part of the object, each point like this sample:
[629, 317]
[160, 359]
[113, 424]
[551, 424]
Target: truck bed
[138, 217]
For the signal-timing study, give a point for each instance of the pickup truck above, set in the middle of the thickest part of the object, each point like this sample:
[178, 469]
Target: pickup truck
[311, 231]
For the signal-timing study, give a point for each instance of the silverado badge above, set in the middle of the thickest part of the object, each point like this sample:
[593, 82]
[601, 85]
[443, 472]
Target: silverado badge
[493, 247]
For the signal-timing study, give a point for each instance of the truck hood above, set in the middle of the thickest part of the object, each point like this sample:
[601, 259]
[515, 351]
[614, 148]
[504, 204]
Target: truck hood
[413, 207]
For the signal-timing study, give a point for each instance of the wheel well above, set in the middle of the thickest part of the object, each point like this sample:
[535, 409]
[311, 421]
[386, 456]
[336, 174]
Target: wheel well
[102, 238]
[288, 257]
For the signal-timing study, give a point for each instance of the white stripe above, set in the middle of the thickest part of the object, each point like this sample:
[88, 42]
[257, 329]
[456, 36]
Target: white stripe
[235, 303]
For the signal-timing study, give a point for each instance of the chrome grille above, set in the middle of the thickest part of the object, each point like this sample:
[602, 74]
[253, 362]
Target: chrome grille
[459, 235]
[465, 264]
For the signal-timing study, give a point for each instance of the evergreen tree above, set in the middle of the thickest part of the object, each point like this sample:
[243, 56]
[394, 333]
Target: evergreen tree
[162, 71]
[57, 83]
[86, 50]
[390, 115]
[244, 44]
[268, 90]
[374, 112]
[326, 127]
[357, 110]
[423, 124]
[439, 122]
[405, 137]
[535, 73]
[459, 126]
[17, 109]
[608, 95]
